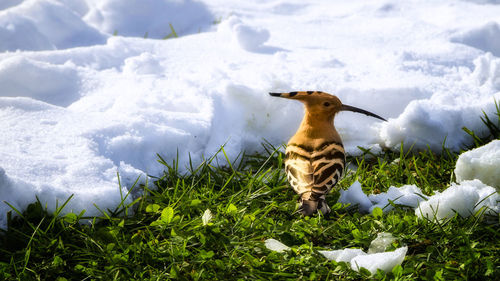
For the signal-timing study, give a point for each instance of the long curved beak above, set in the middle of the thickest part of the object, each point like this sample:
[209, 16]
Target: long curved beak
[359, 110]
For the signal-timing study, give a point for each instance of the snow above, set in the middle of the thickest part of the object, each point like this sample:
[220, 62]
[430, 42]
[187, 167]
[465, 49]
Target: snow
[275, 245]
[344, 255]
[482, 163]
[355, 197]
[383, 261]
[207, 217]
[78, 104]
[357, 258]
[380, 244]
[247, 37]
[466, 198]
[376, 258]
[485, 37]
[407, 196]
[136, 17]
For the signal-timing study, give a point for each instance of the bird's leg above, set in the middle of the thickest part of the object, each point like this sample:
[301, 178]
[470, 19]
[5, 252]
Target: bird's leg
[308, 207]
[323, 207]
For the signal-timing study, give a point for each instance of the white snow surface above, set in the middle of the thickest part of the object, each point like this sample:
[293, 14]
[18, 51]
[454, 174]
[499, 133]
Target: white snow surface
[344, 255]
[384, 261]
[78, 104]
[376, 258]
[357, 258]
[466, 198]
[407, 196]
[482, 163]
[275, 245]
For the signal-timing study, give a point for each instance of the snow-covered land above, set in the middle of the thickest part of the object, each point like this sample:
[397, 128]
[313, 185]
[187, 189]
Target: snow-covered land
[83, 95]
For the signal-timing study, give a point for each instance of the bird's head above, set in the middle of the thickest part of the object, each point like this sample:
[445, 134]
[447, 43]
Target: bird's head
[322, 104]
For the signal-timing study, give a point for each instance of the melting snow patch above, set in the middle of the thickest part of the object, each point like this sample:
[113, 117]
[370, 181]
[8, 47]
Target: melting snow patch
[207, 217]
[275, 245]
[356, 197]
[482, 163]
[380, 244]
[465, 198]
[408, 195]
[376, 258]
[345, 255]
[383, 261]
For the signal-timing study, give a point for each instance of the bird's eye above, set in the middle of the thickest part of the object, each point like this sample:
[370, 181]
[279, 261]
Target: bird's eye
[326, 104]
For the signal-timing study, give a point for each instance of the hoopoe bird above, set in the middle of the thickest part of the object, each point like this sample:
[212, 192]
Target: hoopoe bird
[314, 156]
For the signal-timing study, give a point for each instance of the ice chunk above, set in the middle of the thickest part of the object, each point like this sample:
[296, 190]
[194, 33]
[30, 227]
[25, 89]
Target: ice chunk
[275, 245]
[376, 258]
[457, 198]
[207, 217]
[345, 255]
[407, 195]
[379, 244]
[489, 198]
[465, 199]
[356, 197]
[482, 163]
[385, 261]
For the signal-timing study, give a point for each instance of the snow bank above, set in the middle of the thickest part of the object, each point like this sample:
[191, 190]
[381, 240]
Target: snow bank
[136, 18]
[486, 38]
[482, 163]
[23, 77]
[78, 104]
[51, 23]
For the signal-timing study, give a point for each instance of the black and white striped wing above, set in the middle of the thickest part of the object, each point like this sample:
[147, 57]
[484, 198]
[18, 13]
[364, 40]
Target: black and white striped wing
[314, 171]
[298, 169]
[328, 166]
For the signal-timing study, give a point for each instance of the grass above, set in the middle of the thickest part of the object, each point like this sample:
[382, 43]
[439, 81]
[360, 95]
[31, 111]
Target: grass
[210, 224]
